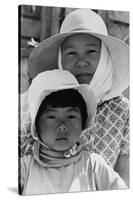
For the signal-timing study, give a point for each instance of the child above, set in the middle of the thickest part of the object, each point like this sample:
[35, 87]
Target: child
[60, 110]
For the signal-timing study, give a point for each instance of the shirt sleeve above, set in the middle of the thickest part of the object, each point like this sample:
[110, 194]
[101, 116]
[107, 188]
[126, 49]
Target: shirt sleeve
[24, 166]
[124, 146]
[24, 112]
[25, 138]
[105, 177]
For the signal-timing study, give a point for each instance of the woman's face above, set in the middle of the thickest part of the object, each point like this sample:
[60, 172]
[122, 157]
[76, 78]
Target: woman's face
[80, 56]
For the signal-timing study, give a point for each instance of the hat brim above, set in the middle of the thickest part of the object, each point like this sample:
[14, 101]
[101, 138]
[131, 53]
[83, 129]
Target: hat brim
[45, 56]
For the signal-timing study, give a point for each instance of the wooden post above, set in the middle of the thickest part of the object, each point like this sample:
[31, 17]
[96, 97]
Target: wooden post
[55, 22]
[105, 16]
[46, 17]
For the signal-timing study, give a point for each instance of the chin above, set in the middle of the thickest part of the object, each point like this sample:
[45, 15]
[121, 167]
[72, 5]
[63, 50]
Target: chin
[84, 81]
[62, 148]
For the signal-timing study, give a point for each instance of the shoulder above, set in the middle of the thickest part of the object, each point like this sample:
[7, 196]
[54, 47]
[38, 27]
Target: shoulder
[117, 107]
[25, 119]
[121, 101]
[24, 101]
[24, 96]
[26, 160]
[96, 163]
[24, 107]
[24, 164]
[95, 159]
[26, 140]
[105, 176]
[24, 168]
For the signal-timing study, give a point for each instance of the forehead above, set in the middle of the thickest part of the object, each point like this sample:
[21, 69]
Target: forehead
[49, 108]
[81, 38]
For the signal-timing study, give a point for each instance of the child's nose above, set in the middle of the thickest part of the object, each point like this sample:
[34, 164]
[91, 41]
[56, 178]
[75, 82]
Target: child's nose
[62, 128]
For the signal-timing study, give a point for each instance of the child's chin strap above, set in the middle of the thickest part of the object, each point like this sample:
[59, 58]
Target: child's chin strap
[50, 158]
[72, 151]
[67, 154]
[60, 59]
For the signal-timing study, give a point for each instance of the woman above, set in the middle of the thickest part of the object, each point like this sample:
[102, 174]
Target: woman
[84, 47]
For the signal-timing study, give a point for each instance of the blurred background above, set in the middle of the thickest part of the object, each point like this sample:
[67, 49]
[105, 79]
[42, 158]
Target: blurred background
[37, 23]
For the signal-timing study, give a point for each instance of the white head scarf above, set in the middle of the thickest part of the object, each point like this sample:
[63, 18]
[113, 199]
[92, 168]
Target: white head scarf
[102, 80]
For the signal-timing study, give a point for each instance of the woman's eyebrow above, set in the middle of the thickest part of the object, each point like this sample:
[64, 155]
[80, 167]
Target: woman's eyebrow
[67, 47]
[92, 44]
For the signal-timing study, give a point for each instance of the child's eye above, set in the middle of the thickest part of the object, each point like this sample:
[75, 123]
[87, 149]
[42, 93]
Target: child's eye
[51, 117]
[71, 117]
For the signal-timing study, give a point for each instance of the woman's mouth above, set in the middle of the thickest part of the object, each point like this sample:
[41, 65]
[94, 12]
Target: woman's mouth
[83, 74]
[84, 78]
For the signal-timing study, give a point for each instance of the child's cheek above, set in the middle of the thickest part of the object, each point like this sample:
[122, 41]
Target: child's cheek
[76, 124]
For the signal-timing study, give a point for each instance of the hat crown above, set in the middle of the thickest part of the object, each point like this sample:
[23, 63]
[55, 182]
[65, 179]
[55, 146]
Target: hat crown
[84, 20]
[51, 80]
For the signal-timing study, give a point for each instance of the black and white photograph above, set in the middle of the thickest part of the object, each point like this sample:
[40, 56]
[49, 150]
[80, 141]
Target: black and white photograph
[73, 100]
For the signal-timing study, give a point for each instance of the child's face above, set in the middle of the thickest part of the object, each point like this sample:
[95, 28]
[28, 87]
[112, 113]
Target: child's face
[80, 56]
[60, 128]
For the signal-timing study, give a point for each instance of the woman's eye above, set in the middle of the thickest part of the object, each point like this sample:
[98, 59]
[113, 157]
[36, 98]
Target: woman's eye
[71, 53]
[92, 52]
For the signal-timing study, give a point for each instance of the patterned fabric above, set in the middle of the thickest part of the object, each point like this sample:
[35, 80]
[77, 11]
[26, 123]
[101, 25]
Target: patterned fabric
[25, 139]
[110, 131]
[109, 135]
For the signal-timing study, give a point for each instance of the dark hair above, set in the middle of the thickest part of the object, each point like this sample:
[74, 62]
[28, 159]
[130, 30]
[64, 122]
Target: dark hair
[64, 98]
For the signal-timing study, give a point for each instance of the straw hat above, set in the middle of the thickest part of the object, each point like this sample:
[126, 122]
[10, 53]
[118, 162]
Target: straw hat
[45, 55]
[55, 80]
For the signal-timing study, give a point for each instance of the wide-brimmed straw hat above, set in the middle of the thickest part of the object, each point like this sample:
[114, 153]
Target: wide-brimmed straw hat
[45, 55]
[55, 80]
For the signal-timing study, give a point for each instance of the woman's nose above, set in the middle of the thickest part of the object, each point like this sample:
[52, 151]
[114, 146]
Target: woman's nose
[62, 128]
[82, 63]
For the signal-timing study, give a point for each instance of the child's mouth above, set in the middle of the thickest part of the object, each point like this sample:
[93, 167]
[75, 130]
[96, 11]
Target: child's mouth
[59, 139]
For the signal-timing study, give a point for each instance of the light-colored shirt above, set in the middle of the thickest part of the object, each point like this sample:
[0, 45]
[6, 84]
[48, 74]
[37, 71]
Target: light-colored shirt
[89, 173]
